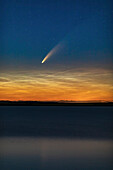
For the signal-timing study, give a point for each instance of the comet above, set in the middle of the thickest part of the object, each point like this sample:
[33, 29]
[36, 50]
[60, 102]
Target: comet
[64, 42]
[53, 51]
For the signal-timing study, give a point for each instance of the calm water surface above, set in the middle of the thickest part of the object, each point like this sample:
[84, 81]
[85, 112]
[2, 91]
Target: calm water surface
[64, 138]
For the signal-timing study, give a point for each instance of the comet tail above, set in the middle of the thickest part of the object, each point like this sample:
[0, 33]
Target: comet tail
[54, 50]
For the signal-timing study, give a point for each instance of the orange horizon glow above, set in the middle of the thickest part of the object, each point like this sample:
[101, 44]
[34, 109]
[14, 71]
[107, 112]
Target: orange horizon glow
[73, 85]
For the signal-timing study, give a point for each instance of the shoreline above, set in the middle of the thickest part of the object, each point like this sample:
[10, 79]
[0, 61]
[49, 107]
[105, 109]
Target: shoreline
[37, 103]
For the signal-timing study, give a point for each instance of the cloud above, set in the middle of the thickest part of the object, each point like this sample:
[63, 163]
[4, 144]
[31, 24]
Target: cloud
[4, 79]
[62, 84]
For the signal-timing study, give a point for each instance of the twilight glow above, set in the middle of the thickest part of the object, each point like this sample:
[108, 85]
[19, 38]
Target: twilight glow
[74, 85]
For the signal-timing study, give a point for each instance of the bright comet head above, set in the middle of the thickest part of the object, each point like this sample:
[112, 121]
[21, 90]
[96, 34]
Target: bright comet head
[44, 59]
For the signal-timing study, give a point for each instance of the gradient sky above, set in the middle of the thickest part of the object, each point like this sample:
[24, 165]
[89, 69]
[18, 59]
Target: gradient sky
[80, 69]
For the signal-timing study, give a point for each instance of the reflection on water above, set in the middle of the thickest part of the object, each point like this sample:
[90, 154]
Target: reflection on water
[50, 153]
[56, 138]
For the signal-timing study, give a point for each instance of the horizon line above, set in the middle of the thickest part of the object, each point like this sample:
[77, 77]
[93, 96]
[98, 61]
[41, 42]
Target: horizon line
[59, 101]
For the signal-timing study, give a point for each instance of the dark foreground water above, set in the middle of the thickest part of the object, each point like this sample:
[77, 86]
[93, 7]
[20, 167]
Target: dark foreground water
[56, 138]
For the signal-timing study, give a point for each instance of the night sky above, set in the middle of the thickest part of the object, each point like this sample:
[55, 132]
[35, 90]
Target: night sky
[78, 36]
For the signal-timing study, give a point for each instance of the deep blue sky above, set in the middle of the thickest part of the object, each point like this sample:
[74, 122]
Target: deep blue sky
[31, 28]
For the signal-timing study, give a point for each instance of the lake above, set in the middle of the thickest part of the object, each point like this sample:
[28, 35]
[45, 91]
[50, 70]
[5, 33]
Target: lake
[49, 137]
